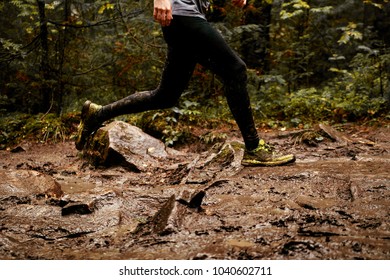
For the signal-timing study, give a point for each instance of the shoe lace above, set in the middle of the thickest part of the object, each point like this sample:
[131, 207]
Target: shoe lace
[264, 146]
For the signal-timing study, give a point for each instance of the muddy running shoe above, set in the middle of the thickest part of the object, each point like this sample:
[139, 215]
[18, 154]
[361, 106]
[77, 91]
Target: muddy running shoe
[264, 155]
[88, 123]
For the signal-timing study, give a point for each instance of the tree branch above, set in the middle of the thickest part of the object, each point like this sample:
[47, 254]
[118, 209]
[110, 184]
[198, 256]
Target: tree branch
[98, 23]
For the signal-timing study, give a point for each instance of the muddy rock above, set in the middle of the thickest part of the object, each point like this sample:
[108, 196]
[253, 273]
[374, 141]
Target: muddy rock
[119, 143]
[222, 160]
[170, 217]
[26, 186]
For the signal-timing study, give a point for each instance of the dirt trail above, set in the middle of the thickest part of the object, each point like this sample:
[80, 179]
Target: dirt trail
[333, 203]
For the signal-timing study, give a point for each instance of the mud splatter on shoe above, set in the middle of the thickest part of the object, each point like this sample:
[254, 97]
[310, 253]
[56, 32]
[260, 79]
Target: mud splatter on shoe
[89, 123]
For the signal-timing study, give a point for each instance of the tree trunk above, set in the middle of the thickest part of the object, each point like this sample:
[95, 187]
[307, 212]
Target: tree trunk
[44, 67]
[63, 41]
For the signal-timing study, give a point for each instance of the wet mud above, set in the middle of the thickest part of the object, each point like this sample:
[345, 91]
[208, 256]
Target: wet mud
[333, 203]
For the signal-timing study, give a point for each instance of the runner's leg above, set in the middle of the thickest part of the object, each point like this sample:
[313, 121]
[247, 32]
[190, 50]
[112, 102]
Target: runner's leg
[213, 52]
[178, 69]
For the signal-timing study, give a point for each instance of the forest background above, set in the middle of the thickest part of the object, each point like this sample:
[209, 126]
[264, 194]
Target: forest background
[308, 62]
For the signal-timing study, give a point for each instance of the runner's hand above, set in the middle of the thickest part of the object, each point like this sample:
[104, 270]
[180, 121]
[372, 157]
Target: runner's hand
[239, 3]
[162, 12]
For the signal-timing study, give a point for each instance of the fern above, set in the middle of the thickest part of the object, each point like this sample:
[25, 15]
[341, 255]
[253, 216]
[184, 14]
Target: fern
[17, 3]
[27, 7]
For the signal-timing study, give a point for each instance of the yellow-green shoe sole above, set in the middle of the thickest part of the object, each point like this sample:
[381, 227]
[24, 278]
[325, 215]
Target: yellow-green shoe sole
[276, 162]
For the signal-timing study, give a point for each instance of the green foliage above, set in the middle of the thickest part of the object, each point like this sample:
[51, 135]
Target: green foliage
[350, 32]
[346, 98]
[213, 137]
[96, 49]
[17, 127]
[10, 46]
[293, 8]
[375, 4]
[171, 125]
[175, 126]
[188, 110]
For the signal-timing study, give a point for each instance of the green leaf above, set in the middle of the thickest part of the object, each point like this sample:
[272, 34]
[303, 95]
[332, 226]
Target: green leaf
[107, 6]
[324, 10]
[349, 33]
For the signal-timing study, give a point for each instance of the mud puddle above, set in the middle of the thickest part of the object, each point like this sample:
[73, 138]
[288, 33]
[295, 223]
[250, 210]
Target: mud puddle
[330, 204]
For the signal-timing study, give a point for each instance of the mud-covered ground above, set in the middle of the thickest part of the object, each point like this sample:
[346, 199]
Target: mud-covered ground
[333, 203]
